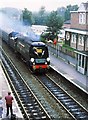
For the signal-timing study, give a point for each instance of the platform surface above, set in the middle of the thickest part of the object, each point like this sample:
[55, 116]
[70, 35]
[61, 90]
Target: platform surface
[4, 89]
[69, 72]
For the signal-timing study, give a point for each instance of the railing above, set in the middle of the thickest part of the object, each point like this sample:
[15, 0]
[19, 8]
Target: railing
[59, 51]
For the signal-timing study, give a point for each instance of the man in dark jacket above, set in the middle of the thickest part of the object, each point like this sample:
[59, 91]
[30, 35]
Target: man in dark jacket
[9, 100]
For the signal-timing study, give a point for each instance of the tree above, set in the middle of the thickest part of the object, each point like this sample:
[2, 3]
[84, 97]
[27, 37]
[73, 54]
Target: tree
[70, 8]
[61, 11]
[40, 17]
[27, 17]
[54, 23]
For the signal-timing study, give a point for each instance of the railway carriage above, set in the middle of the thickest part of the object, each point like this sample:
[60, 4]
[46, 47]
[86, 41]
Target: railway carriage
[5, 35]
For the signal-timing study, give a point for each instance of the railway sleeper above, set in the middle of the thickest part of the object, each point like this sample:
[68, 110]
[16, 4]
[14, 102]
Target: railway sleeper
[73, 106]
[82, 117]
[67, 101]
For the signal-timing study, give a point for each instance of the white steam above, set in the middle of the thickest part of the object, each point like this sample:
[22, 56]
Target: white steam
[10, 24]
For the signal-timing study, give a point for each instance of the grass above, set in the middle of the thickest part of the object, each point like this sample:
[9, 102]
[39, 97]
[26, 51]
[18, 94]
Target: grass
[68, 47]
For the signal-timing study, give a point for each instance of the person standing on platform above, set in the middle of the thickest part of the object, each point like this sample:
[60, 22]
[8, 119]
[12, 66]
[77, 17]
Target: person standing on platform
[1, 107]
[9, 100]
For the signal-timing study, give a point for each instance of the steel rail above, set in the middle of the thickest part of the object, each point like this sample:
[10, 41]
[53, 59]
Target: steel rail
[74, 108]
[28, 101]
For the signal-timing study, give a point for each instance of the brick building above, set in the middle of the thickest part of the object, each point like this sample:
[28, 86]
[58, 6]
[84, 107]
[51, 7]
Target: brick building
[77, 37]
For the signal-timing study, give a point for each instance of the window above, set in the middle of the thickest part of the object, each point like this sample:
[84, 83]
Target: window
[79, 64]
[82, 18]
[87, 18]
[83, 61]
[87, 42]
[81, 40]
[73, 38]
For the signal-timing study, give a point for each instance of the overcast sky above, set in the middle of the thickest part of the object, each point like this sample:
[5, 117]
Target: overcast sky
[35, 5]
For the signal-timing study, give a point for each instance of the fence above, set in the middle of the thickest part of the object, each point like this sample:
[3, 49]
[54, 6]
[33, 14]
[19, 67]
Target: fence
[59, 51]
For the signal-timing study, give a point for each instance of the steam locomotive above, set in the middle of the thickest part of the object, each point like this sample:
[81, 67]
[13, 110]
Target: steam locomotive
[34, 52]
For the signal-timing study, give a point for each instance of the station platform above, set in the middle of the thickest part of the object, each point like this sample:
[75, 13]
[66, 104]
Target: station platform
[69, 72]
[4, 89]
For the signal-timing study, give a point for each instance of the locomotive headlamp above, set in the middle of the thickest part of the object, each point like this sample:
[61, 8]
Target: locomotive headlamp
[32, 59]
[15, 37]
[48, 59]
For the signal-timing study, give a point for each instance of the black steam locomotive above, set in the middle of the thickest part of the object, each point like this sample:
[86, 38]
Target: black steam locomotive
[34, 52]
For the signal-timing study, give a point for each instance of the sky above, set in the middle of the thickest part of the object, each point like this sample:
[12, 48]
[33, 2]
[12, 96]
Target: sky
[35, 5]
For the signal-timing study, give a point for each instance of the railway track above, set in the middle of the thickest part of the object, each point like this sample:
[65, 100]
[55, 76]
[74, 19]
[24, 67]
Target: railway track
[29, 104]
[55, 110]
[61, 102]
[74, 108]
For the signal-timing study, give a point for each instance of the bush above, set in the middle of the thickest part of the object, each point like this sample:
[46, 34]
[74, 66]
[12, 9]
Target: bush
[68, 47]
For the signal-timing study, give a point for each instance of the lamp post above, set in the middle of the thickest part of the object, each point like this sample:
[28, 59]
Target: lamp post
[56, 46]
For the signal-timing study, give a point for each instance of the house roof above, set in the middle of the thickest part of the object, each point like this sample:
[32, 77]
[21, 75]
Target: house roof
[83, 7]
[67, 22]
[86, 5]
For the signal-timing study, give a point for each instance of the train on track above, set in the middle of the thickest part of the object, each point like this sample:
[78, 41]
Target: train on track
[34, 52]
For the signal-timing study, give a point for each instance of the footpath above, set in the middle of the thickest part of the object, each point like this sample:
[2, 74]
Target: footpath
[4, 89]
[69, 72]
